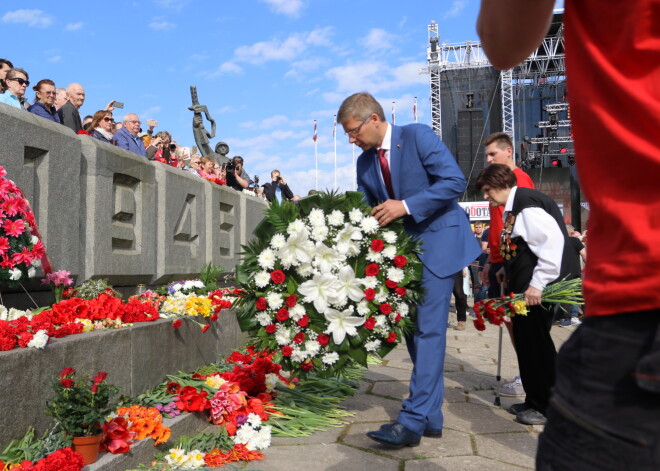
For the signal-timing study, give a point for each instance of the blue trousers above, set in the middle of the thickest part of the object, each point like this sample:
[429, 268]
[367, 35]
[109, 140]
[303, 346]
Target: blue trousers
[427, 351]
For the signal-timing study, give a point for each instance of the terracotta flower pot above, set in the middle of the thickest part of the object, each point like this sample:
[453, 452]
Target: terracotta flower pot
[88, 447]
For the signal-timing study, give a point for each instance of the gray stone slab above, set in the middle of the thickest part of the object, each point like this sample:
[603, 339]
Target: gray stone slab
[370, 408]
[479, 419]
[223, 213]
[459, 463]
[331, 435]
[469, 381]
[386, 373]
[513, 448]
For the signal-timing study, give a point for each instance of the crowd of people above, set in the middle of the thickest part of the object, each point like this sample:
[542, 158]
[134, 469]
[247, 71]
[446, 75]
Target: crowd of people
[62, 105]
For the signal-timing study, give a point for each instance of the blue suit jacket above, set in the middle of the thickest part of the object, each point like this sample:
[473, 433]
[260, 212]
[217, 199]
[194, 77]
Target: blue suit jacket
[427, 177]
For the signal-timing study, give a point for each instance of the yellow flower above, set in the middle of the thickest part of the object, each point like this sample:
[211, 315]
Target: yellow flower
[520, 308]
[215, 381]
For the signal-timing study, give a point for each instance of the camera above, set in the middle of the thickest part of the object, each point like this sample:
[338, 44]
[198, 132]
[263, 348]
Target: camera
[230, 167]
[256, 181]
[278, 179]
[172, 147]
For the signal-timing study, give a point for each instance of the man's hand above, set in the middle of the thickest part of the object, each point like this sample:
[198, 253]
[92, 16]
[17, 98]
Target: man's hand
[388, 211]
[533, 296]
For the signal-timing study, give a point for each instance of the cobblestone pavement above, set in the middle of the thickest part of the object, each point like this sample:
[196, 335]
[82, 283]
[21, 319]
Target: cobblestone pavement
[478, 435]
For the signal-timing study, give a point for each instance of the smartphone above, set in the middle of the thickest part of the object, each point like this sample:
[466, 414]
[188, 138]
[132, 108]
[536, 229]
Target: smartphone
[152, 122]
[117, 104]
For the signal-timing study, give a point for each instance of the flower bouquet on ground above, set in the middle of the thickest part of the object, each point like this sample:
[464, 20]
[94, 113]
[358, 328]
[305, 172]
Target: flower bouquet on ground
[326, 285]
[499, 310]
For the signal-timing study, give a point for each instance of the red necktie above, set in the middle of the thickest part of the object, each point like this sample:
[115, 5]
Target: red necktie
[385, 169]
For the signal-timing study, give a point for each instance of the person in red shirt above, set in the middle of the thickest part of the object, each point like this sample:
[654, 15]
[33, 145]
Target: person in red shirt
[605, 409]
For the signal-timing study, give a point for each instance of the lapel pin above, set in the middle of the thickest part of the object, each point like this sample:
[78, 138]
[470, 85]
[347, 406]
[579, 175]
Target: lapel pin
[398, 146]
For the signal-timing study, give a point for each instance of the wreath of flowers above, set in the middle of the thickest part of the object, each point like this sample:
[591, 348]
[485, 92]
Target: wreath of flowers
[326, 285]
[20, 251]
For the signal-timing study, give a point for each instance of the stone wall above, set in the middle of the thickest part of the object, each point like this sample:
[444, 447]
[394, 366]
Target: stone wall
[104, 212]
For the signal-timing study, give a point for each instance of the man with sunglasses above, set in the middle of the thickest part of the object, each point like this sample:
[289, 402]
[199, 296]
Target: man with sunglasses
[407, 172]
[69, 114]
[127, 137]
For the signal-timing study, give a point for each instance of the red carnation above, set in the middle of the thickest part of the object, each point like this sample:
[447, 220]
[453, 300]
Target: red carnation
[100, 376]
[369, 294]
[303, 321]
[390, 284]
[479, 323]
[323, 339]
[391, 338]
[271, 328]
[213, 318]
[370, 323]
[401, 291]
[299, 338]
[291, 300]
[385, 308]
[287, 351]
[282, 314]
[372, 269]
[400, 261]
[206, 327]
[278, 276]
[261, 304]
[377, 245]
[307, 365]
[66, 383]
[397, 318]
[177, 323]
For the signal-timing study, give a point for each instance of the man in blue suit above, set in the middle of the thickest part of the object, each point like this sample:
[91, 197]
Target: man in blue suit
[406, 171]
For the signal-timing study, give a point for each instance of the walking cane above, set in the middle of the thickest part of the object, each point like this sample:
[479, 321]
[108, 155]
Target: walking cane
[499, 359]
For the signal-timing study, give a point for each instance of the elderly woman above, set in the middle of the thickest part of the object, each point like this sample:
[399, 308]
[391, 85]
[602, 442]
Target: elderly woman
[207, 168]
[101, 127]
[44, 100]
[17, 81]
[534, 245]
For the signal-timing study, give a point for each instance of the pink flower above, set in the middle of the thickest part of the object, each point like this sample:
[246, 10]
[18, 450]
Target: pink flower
[14, 228]
[58, 278]
[12, 206]
[4, 245]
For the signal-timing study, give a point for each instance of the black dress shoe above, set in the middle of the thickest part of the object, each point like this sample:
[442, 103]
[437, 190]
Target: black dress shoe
[517, 408]
[429, 432]
[395, 436]
[531, 417]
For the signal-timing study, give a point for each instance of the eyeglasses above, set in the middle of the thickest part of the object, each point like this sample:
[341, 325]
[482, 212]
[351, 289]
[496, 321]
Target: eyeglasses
[354, 132]
[195, 163]
[134, 121]
[48, 93]
[108, 119]
[20, 81]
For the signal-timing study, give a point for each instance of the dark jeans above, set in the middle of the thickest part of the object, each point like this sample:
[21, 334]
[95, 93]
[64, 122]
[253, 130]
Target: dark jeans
[494, 288]
[605, 410]
[460, 298]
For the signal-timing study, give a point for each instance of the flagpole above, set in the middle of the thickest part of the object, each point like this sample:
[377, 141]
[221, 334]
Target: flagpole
[316, 159]
[334, 134]
[415, 109]
[393, 113]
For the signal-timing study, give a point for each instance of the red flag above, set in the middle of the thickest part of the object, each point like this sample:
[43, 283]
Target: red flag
[393, 113]
[315, 137]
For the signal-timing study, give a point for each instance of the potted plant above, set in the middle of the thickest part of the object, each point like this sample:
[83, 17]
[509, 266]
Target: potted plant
[80, 408]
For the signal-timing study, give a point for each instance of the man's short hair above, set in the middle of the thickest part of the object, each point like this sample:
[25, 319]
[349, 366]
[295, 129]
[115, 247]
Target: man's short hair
[164, 134]
[502, 139]
[272, 172]
[237, 160]
[359, 106]
[126, 117]
[496, 176]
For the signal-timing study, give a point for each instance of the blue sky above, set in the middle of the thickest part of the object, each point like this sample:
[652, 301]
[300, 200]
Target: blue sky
[266, 69]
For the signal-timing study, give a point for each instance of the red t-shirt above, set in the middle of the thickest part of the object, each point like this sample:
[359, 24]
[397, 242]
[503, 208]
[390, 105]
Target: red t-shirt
[614, 92]
[496, 223]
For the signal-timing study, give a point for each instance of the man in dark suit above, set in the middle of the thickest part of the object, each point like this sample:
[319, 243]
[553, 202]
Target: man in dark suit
[277, 188]
[407, 172]
[69, 115]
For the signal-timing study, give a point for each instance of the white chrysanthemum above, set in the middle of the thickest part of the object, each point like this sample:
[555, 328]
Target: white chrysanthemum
[336, 218]
[319, 233]
[381, 321]
[374, 256]
[326, 258]
[274, 300]
[403, 309]
[296, 312]
[330, 358]
[372, 346]
[278, 241]
[14, 314]
[254, 420]
[355, 215]
[312, 347]
[36, 262]
[369, 225]
[31, 272]
[298, 355]
[316, 217]
[271, 382]
[363, 308]
[264, 318]
[389, 237]
[39, 340]
[369, 282]
[305, 269]
[283, 336]
[381, 295]
[395, 274]
[262, 440]
[15, 274]
[266, 259]
[34, 239]
[389, 252]
[296, 227]
[262, 279]
[3, 313]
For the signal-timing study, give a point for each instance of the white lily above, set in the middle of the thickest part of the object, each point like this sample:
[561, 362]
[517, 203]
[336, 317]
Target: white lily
[342, 323]
[321, 290]
[349, 286]
[297, 249]
[346, 239]
[326, 258]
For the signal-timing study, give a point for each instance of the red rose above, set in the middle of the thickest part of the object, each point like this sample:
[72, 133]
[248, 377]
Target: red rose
[291, 300]
[206, 327]
[390, 284]
[66, 383]
[369, 294]
[391, 338]
[287, 351]
[400, 261]
[299, 338]
[271, 328]
[177, 323]
[68, 292]
[278, 276]
[385, 308]
[370, 323]
[372, 269]
[377, 245]
[401, 291]
[307, 366]
[95, 388]
[261, 304]
[323, 339]
[282, 314]
[100, 376]
[303, 321]
[67, 371]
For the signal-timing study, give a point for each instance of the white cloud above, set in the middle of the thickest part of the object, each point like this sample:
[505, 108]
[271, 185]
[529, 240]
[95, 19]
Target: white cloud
[160, 24]
[172, 4]
[456, 8]
[379, 41]
[54, 59]
[73, 26]
[267, 123]
[30, 17]
[226, 68]
[149, 113]
[264, 51]
[374, 76]
[198, 57]
[320, 36]
[286, 7]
